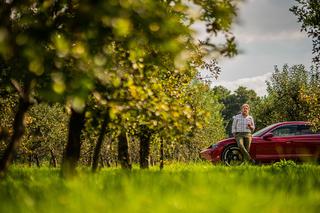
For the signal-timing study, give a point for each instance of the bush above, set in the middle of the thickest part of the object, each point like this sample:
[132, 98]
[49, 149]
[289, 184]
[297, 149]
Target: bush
[284, 165]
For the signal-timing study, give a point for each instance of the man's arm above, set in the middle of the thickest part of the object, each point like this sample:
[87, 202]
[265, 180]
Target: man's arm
[252, 125]
[233, 129]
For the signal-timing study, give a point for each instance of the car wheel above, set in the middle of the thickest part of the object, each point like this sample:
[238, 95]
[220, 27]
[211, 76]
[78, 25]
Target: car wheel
[232, 156]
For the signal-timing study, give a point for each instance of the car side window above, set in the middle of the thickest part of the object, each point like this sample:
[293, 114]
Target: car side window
[289, 130]
[305, 130]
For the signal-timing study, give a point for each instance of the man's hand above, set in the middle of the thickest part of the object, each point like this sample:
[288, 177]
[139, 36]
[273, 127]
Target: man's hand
[250, 126]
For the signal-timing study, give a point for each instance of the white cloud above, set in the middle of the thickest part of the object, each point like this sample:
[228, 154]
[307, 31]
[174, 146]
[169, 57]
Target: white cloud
[267, 37]
[256, 83]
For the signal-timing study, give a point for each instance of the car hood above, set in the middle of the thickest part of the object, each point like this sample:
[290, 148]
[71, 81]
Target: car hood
[231, 140]
[226, 141]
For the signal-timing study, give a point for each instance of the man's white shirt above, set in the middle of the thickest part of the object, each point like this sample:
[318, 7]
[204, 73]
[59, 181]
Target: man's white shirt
[240, 123]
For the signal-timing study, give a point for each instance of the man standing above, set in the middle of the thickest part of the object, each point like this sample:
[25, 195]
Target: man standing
[242, 126]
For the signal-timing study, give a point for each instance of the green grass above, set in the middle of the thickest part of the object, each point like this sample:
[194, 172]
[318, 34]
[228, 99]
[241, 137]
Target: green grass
[178, 188]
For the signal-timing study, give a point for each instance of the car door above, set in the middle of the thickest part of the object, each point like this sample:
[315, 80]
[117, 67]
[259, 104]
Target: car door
[306, 144]
[277, 147]
[285, 136]
[264, 150]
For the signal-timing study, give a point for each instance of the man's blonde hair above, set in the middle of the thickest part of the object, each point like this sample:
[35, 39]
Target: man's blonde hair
[245, 105]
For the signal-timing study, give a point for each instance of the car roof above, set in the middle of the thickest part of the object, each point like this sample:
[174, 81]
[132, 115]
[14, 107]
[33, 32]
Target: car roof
[292, 122]
[279, 124]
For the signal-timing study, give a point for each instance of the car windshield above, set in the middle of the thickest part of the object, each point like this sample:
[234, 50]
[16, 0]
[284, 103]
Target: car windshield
[261, 131]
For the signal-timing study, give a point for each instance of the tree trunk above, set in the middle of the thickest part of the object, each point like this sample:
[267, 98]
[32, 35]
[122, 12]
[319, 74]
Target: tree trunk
[145, 135]
[101, 162]
[30, 160]
[161, 154]
[18, 127]
[90, 152]
[108, 163]
[97, 149]
[53, 160]
[36, 157]
[4, 134]
[123, 151]
[71, 154]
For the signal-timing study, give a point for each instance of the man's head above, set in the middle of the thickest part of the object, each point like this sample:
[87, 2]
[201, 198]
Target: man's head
[245, 108]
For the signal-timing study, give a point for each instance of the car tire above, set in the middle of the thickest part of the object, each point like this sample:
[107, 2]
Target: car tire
[232, 156]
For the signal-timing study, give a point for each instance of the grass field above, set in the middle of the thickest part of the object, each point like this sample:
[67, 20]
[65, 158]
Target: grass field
[282, 187]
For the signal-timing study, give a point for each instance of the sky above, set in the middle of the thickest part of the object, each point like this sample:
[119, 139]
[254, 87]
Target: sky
[267, 34]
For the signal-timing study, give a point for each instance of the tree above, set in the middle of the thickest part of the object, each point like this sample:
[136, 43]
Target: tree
[24, 58]
[46, 132]
[285, 86]
[97, 149]
[266, 112]
[207, 125]
[8, 103]
[156, 96]
[284, 102]
[138, 56]
[308, 13]
[221, 92]
[310, 97]
[233, 102]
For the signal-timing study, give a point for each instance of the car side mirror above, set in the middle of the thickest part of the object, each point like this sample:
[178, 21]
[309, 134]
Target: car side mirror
[267, 136]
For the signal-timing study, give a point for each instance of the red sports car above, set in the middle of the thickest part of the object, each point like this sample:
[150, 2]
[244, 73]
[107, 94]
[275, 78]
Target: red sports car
[293, 140]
